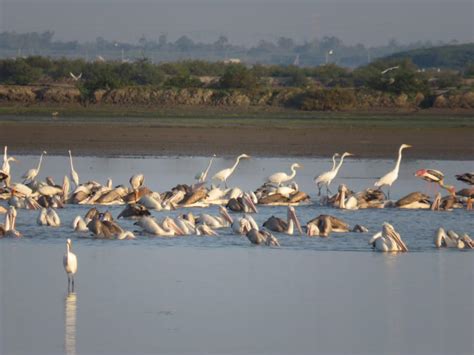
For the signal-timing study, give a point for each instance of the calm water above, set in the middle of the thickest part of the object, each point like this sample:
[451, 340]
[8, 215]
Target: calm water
[222, 295]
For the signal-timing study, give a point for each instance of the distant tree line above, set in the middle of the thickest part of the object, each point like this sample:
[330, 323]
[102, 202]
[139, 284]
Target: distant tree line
[283, 51]
[394, 76]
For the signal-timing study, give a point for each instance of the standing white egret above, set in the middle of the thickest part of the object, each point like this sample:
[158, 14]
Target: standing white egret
[278, 178]
[223, 175]
[6, 166]
[74, 174]
[328, 176]
[70, 265]
[201, 177]
[31, 174]
[389, 178]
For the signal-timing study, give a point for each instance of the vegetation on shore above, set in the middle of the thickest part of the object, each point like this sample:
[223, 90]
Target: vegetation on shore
[383, 84]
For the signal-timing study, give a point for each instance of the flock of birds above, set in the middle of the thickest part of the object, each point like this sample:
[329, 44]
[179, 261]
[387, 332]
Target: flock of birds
[278, 189]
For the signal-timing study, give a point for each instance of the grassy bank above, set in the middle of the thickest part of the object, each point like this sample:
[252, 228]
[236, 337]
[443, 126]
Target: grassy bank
[224, 117]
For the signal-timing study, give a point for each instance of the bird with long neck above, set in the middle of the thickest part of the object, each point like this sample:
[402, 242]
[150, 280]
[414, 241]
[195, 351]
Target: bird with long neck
[201, 177]
[70, 265]
[223, 175]
[74, 174]
[389, 178]
[327, 177]
[6, 166]
[279, 178]
[31, 174]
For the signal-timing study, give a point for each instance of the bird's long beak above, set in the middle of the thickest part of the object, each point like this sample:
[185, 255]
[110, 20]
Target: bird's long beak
[250, 203]
[226, 215]
[296, 220]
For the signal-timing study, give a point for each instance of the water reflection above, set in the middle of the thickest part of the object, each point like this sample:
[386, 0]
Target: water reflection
[70, 314]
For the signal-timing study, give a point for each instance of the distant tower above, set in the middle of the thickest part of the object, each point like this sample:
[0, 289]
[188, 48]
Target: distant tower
[296, 62]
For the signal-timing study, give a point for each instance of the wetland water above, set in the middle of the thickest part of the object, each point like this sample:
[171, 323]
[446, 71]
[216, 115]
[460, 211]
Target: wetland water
[222, 295]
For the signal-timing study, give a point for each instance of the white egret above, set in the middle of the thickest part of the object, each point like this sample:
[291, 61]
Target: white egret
[201, 177]
[389, 178]
[74, 174]
[328, 176]
[279, 178]
[31, 174]
[223, 175]
[70, 265]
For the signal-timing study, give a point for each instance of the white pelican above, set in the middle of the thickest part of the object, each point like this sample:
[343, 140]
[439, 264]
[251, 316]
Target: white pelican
[244, 224]
[126, 235]
[328, 176]
[388, 240]
[79, 225]
[9, 229]
[52, 218]
[201, 177]
[70, 264]
[41, 220]
[224, 220]
[280, 177]
[31, 174]
[136, 181]
[389, 178]
[223, 175]
[74, 174]
[150, 225]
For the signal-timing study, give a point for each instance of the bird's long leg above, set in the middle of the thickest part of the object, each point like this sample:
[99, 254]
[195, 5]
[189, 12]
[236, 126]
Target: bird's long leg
[72, 283]
[68, 283]
[327, 190]
[225, 184]
[389, 192]
[319, 189]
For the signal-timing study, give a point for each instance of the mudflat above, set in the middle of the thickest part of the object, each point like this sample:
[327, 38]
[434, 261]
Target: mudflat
[145, 138]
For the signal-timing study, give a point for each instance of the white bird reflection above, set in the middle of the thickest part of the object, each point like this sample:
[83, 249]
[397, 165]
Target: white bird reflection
[70, 311]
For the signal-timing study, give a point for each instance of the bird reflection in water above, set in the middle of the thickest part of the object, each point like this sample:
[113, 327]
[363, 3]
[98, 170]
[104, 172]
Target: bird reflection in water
[70, 312]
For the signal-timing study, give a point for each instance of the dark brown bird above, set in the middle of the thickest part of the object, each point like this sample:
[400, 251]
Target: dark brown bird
[134, 210]
[469, 194]
[468, 178]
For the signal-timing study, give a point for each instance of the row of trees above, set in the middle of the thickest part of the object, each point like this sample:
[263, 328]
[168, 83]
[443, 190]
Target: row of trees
[283, 51]
[404, 77]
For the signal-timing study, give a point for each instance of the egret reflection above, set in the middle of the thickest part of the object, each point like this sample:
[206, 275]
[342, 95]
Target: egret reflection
[70, 316]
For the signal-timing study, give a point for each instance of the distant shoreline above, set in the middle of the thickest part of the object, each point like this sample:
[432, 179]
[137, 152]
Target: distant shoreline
[436, 136]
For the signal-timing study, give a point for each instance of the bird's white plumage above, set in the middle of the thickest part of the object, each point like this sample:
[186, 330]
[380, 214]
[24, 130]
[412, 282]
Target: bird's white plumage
[279, 178]
[69, 260]
[31, 174]
[389, 178]
[327, 177]
[74, 174]
[224, 174]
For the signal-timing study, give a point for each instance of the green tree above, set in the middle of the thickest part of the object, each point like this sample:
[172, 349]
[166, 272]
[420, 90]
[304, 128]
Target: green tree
[18, 72]
[237, 76]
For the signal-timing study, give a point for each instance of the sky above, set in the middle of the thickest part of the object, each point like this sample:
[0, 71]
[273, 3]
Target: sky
[370, 22]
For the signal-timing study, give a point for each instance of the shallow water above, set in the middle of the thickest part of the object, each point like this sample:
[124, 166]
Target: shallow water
[222, 295]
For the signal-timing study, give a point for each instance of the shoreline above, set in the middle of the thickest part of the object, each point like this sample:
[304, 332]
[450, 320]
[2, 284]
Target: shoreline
[266, 139]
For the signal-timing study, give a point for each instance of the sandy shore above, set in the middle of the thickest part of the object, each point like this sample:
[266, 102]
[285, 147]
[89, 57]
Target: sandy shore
[147, 139]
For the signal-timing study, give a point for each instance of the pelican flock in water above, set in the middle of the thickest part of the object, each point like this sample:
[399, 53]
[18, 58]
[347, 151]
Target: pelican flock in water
[280, 189]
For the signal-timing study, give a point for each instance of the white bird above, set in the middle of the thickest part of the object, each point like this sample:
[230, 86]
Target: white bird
[388, 240]
[389, 178]
[328, 176]
[52, 218]
[74, 174]
[70, 264]
[221, 221]
[389, 69]
[79, 225]
[31, 174]
[6, 166]
[201, 177]
[280, 177]
[75, 77]
[223, 175]
[136, 181]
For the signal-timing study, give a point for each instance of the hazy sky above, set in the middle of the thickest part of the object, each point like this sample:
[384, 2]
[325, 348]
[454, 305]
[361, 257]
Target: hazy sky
[244, 21]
